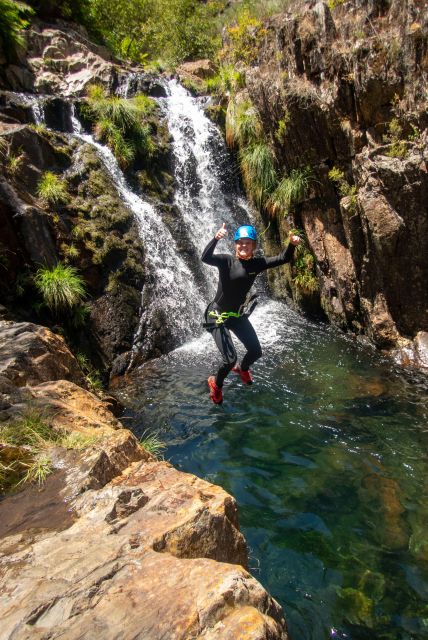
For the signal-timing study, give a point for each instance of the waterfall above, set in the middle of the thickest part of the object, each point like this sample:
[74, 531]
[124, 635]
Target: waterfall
[170, 296]
[38, 112]
[207, 192]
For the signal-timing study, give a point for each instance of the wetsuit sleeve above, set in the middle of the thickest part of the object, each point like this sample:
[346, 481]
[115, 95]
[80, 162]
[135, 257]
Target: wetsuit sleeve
[208, 254]
[275, 261]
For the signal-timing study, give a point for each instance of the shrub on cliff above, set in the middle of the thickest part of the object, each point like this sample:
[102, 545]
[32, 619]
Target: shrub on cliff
[292, 189]
[61, 288]
[258, 170]
[52, 189]
[13, 18]
[243, 124]
[121, 123]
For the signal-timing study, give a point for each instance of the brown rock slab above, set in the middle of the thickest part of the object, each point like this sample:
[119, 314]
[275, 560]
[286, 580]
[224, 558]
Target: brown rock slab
[31, 354]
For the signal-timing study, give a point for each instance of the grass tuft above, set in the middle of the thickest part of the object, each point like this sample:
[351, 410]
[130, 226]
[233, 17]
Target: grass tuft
[291, 190]
[61, 287]
[258, 170]
[152, 443]
[51, 189]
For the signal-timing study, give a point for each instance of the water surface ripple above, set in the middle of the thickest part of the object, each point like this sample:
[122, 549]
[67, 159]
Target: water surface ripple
[326, 457]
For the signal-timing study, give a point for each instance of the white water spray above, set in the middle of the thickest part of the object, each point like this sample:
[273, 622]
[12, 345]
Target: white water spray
[170, 296]
[207, 192]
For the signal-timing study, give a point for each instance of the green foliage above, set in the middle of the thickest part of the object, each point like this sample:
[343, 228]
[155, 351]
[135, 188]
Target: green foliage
[92, 375]
[24, 456]
[282, 128]
[258, 171]
[227, 81]
[172, 30]
[37, 470]
[14, 162]
[76, 10]
[13, 18]
[120, 123]
[79, 316]
[245, 38]
[243, 124]
[51, 189]
[337, 176]
[292, 189]
[30, 430]
[70, 251]
[77, 440]
[396, 137]
[304, 277]
[152, 443]
[332, 4]
[61, 287]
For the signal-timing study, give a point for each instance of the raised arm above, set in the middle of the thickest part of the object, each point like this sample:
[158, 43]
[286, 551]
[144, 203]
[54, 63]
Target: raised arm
[285, 256]
[208, 253]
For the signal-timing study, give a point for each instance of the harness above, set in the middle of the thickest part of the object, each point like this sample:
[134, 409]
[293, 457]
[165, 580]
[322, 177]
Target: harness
[220, 318]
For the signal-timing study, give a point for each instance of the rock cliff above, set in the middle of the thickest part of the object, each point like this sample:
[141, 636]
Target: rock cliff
[115, 543]
[340, 88]
[89, 228]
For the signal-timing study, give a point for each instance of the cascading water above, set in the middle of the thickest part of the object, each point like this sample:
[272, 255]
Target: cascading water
[207, 192]
[325, 453]
[170, 295]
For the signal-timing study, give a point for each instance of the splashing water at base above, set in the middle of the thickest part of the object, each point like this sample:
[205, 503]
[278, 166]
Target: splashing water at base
[169, 272]
[326, 456]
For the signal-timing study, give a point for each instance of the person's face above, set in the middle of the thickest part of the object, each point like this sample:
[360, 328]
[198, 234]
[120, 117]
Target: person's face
[244, 248]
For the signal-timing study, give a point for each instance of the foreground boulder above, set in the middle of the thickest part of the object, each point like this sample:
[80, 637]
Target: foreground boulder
[117, 543]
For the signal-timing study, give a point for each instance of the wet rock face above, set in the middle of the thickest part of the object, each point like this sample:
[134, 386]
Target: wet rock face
[131, 546]
[30, 354]
[94, 221]
[337, 79]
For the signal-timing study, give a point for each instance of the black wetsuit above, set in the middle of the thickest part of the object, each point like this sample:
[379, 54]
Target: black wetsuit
[236, 278]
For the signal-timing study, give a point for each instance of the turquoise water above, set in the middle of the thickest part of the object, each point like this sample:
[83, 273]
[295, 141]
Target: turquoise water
[326, 455]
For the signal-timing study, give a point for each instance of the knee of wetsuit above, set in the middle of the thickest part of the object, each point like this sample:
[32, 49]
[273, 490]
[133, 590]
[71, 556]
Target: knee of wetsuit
[257, 353]
[232, 363]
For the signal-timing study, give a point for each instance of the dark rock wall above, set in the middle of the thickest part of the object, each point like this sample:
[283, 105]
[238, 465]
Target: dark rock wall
[341, 76]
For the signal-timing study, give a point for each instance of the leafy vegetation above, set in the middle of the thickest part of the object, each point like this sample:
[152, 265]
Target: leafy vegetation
[226, 81]
[244, 39]
[243, 125]
[304, 277]
[291, 190]
[337, 176]
[26, 442]
[152, 443]
[92, 375]
[14, 162]
[282, 127]
[61, 287]
[120, 123]
[52, 189]
[258, 171]
[395, 136]
[13, 18]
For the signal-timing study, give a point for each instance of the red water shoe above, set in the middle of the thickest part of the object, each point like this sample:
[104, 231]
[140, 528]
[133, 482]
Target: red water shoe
[216, 394]
[245, 376]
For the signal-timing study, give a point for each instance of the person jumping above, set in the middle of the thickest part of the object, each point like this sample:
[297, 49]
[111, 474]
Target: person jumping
[229, 309]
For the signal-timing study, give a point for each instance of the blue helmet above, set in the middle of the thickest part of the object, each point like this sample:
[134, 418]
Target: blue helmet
[246, 231]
